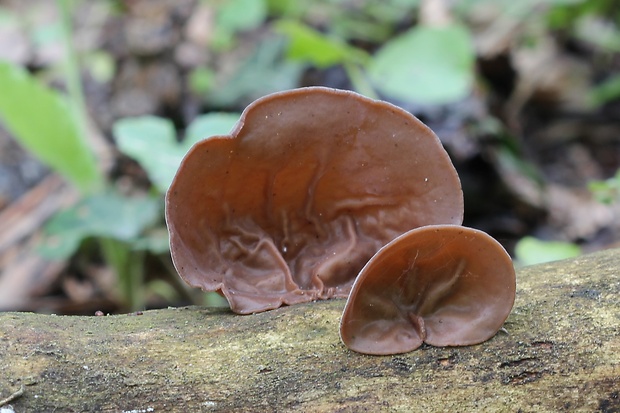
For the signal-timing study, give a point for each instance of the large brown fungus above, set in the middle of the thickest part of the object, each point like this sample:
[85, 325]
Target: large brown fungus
[307, 187]
[444, 285]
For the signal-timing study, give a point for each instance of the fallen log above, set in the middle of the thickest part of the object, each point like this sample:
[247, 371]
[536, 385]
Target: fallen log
[560, 351]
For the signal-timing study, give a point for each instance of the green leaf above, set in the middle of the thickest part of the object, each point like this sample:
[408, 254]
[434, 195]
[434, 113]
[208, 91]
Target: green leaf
[309, 45]
[164, 290]
[208, 125]
[598, 33]
[233, 16]
[201, 80]
[289, 8]
[237, 15]
[262, 73]
[46, 124]
[107, 215]
[606, 91]
[155, 241]
[430, 65]
[151, 142]
[607, 191]
[530, 250]
[46, 34]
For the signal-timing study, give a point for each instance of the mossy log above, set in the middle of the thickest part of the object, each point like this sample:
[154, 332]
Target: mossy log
[560, 351]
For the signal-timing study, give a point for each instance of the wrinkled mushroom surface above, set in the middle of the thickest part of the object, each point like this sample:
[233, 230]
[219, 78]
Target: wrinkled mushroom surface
[445, 285]
[307, 187]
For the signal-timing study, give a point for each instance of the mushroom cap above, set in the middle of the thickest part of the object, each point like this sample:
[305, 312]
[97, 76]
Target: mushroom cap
[444, 285]
[307, 187]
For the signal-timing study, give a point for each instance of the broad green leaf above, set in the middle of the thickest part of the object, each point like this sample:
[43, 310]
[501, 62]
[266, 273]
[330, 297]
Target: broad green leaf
[107, 215]
[429, 65]
[151, 141]
[309, 45]
[46, 124]
[530, 250]
[208, 125]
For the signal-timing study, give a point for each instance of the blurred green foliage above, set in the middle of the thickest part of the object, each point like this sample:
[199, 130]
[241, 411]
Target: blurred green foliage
[309, 45]
[106, 214]
[367, 20]
[607, 191]
[432, 65]
[233, 16]
[425, 64]
[262, 72]
[152, 142]
[530, 251]
[47, 124]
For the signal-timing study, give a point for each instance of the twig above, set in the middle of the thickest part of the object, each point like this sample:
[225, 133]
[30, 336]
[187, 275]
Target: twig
[74, 84]
[13, 396]
[28, 213]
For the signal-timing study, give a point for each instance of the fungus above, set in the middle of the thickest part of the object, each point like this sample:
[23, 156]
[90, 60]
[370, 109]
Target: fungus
[307, 187]
[444, 285]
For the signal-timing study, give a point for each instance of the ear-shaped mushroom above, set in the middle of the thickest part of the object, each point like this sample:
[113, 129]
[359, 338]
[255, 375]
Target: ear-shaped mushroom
[308, 186]
[444, 285]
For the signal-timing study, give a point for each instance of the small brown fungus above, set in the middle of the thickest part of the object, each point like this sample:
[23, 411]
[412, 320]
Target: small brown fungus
[307, 187]
[444, 285]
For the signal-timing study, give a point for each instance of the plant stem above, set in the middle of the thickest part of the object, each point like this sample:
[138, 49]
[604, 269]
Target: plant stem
[359, 81]
[73, 80]
[129, 268]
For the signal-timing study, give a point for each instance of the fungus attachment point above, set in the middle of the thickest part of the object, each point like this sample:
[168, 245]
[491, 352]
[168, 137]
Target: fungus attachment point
[307, 187]
[444, 285]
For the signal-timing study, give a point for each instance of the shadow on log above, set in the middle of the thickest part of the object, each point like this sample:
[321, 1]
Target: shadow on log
[560, 352]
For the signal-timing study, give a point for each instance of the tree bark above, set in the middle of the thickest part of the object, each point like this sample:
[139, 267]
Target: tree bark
[560, 351]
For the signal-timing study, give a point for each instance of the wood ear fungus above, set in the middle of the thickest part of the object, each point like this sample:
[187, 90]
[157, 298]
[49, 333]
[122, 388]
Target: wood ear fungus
[444, 285]
[307, 187]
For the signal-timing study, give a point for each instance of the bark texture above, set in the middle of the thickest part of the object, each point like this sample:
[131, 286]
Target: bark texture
[560, 352]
